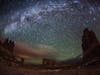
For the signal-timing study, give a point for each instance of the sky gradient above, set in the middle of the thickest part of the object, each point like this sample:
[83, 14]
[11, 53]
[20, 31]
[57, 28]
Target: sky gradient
[53, 25]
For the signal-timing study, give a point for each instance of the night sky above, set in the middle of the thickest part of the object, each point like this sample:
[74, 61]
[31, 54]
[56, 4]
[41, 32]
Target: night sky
[54, 25]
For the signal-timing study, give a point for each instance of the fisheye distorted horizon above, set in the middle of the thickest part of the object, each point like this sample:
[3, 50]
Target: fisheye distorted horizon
[55, 26]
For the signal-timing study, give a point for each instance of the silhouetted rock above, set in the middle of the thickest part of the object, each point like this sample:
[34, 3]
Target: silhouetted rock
[49, 62]
[90, 46]
[7, 52]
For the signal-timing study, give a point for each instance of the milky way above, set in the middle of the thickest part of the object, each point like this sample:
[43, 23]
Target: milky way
[58, 24]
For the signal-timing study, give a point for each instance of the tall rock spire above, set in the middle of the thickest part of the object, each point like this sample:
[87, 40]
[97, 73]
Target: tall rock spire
[90, 46]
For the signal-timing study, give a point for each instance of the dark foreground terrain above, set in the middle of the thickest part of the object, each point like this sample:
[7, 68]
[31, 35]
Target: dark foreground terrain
[6, 70]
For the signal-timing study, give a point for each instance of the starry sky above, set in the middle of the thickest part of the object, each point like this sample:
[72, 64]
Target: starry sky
[53, 25]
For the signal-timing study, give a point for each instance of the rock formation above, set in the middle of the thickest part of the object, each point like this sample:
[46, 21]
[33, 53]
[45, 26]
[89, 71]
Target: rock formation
[90, 46]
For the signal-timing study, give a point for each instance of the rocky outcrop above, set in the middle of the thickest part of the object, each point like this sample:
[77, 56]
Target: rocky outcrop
[7, 52]
[90, 46]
